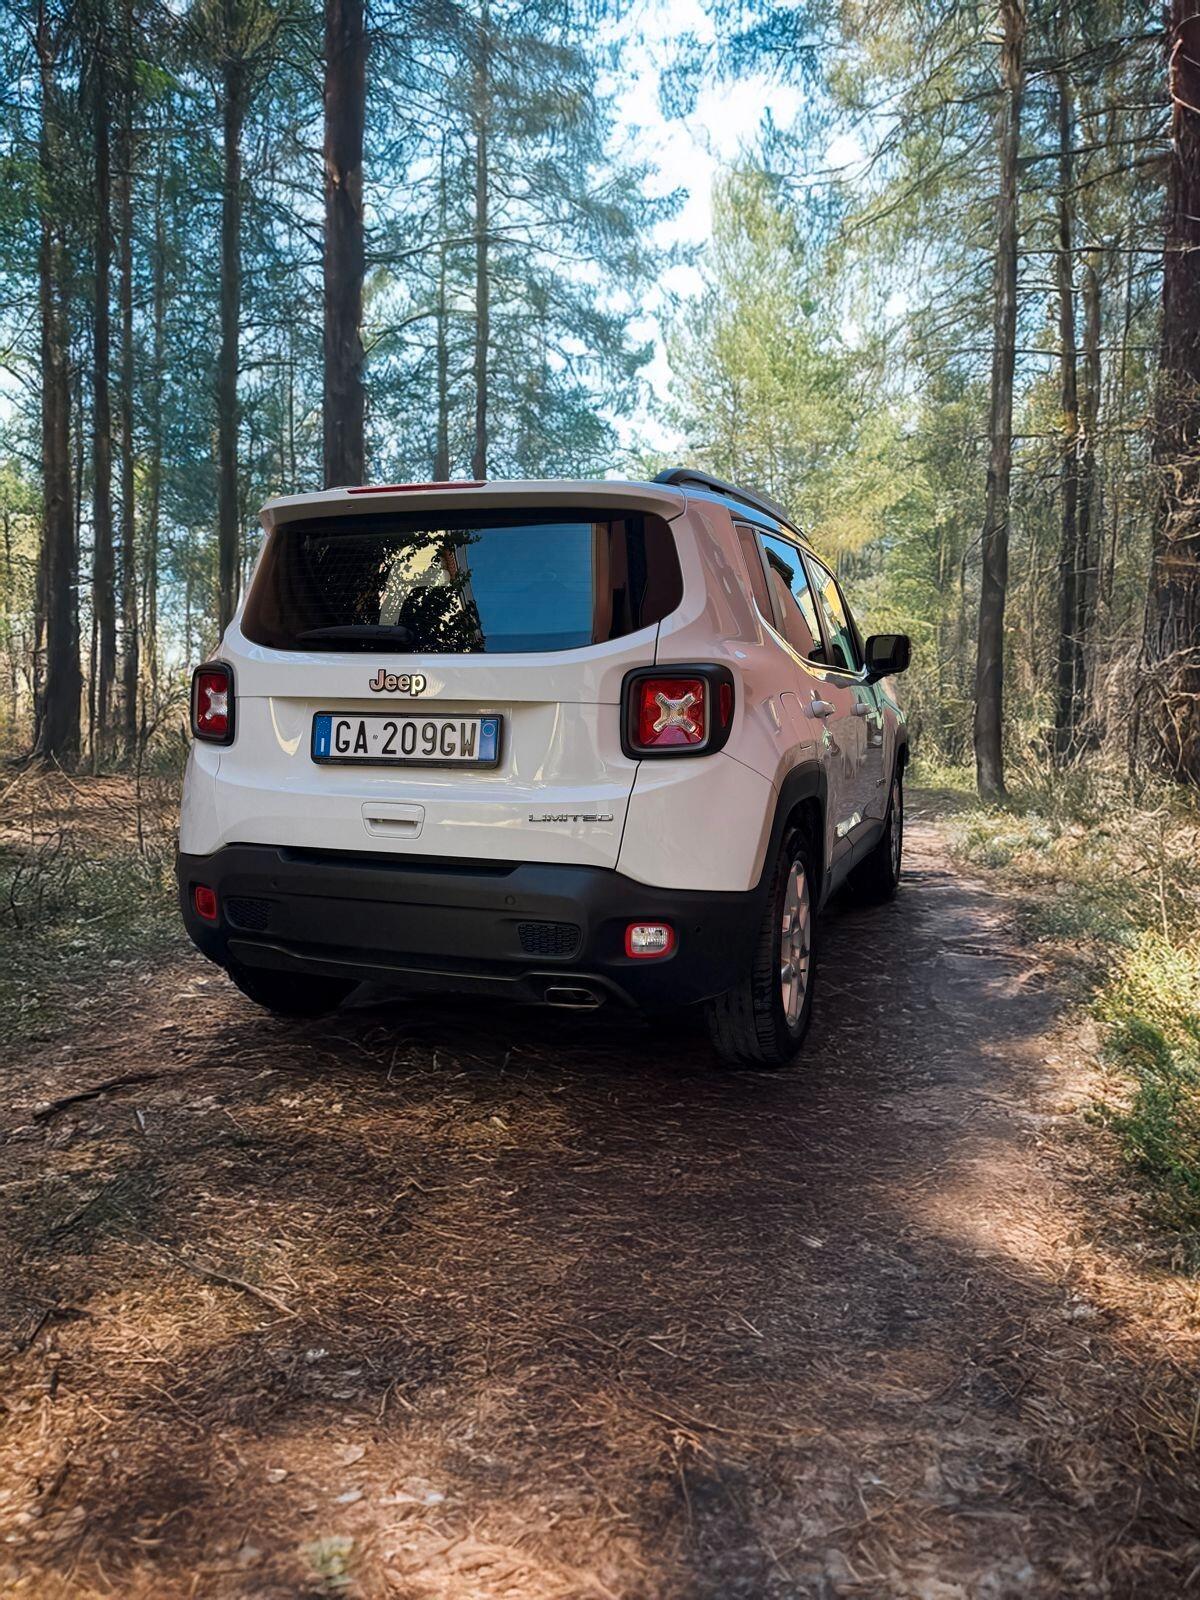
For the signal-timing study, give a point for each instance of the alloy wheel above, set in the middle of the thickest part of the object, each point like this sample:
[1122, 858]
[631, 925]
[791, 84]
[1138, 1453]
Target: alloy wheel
[795, 944]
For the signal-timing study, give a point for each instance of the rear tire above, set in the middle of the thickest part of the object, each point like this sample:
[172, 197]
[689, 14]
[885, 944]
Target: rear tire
[289, 994]
[877, 876]
[761, 1022]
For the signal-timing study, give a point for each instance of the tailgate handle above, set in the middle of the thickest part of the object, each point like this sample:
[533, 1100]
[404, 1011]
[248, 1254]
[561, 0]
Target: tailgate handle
[396, 821]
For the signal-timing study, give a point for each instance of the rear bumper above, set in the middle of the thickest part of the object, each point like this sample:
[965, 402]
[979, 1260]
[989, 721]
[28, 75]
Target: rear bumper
[510, 929]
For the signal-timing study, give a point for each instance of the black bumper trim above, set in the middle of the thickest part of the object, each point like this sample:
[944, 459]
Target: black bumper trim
[413, 924]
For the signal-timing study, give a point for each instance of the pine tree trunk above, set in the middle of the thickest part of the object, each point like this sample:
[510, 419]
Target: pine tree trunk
[1090, 553]
[129, 565]
[228, 358]
[441, 446]
[58, 712]
[154, 428]
[989, 667]
[479, 453]
[345, 114]
[1172, 631]
[1067, 666]
[104, 620]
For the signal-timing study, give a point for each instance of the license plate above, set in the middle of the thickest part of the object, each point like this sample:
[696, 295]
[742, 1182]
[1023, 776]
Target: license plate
[385, 740]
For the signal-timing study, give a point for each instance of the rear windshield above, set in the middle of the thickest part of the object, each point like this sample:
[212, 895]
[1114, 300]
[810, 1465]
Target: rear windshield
[513, 583]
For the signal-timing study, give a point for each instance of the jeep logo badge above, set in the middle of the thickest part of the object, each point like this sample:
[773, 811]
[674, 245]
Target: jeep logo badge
[397, 683]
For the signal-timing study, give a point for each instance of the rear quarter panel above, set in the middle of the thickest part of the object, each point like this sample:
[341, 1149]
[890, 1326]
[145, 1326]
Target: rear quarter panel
[705, 823]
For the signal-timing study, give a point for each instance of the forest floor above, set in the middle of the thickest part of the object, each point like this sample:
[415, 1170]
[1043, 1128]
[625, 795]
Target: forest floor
[442, 1303]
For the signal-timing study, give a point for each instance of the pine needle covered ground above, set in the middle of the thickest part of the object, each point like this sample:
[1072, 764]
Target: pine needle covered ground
[442, 1303]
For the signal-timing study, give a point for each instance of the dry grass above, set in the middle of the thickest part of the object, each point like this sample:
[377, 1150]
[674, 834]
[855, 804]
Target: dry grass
[1108, 882]
[86, 891]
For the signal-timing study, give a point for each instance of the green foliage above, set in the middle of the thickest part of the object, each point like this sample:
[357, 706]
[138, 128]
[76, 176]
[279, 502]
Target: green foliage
[571, 248]
[1152, 1007]
[767, 391]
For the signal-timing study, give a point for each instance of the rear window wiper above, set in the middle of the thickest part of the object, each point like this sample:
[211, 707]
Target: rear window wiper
[367, 633]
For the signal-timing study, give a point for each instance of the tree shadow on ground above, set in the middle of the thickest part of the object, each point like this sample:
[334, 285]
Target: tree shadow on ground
[569, 1311]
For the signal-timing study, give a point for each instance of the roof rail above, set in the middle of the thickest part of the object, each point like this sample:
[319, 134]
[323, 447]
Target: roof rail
[680, 477]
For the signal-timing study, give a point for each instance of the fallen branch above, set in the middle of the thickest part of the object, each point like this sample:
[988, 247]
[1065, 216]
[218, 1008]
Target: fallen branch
[215, 1275]
[48, 1108]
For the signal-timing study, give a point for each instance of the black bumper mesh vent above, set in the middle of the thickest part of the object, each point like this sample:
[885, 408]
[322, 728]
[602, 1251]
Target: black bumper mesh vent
[548, 938]
[247, 912]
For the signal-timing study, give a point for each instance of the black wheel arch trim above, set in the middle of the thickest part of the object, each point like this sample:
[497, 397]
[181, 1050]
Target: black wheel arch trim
[804, 782]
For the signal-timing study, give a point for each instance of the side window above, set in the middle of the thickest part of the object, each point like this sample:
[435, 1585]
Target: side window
[794, 597]
[754, 570]
[842, 642]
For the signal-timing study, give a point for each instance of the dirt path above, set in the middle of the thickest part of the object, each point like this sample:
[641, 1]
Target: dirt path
[538, 1306]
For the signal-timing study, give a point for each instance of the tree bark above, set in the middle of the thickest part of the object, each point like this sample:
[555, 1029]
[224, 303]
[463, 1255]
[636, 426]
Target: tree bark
[104, 620]
[129, 565]
[1172, 630]
[345, 114]
[154, 472]
[1090, 531]
[234, 79]
[57, 736]
[1067, 678]
[441, 446]
[989, 667]
[482, 108]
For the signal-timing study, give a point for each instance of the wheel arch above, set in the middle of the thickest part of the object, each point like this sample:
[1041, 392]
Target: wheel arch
[802, 803]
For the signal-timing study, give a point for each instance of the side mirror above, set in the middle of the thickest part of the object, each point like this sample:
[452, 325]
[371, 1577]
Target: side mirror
[887, 654]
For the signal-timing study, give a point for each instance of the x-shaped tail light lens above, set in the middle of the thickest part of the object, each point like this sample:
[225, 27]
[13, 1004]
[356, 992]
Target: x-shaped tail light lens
[671, 711]
[212, 704]
[688, 712]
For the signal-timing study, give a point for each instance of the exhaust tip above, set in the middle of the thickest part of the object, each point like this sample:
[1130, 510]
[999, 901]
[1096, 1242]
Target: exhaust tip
[573, 996]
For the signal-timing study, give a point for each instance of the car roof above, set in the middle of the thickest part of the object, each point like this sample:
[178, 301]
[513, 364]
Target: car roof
[585, 493]
[667, 495]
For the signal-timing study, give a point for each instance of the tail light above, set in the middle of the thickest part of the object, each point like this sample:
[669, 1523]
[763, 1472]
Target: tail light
[680, 711]
[212, 703]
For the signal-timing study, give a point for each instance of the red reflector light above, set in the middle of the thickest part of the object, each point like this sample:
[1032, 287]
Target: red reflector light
[212, 704]
[670, 711]
[205, 901]
[645, 940]
[400, 488]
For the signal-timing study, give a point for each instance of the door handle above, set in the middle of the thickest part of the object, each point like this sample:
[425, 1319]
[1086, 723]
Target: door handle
[822, 708]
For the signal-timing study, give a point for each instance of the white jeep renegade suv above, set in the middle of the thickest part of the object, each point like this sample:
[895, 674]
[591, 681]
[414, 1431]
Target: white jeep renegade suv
[560, 742]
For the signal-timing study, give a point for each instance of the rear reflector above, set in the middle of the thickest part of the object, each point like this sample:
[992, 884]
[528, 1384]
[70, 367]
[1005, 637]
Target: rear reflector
[401, 488]
[205, 901]
[645, 940]
[212, 703]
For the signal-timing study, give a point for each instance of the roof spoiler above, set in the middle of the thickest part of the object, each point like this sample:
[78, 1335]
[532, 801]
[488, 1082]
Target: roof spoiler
[683, 477]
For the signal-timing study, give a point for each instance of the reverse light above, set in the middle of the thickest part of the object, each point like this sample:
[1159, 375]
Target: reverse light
[205, 901]
[688, 711]
[212, 703]
[645, 940]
